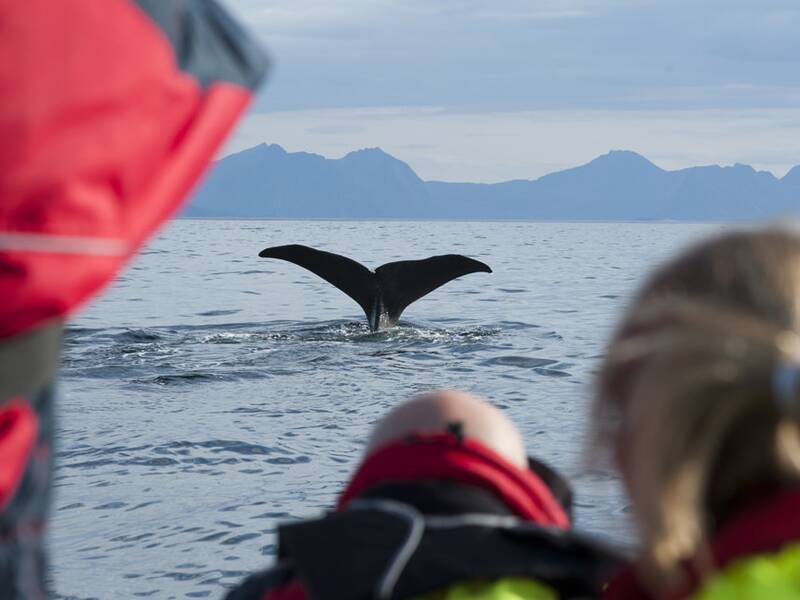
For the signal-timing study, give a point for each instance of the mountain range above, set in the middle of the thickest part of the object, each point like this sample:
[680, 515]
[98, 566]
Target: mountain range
[267, 182]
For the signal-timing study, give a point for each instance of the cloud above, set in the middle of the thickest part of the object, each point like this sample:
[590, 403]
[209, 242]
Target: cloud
[767, 37]
[528, 55]
[335, 129]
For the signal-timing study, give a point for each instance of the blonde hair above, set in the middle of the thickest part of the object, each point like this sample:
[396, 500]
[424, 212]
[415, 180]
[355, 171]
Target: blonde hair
[686, 396]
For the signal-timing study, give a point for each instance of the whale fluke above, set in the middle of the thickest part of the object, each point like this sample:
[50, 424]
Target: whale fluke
[353, 278]
[386, 292]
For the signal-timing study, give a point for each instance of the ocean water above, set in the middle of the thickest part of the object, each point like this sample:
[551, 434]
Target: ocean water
[209, 394]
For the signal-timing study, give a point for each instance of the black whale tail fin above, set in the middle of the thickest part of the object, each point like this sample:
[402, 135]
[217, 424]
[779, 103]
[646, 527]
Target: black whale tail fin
[385, 293]
[353, 278]
[406, 281]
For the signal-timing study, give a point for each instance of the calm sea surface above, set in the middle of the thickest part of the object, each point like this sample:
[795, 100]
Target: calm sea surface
[210, 394]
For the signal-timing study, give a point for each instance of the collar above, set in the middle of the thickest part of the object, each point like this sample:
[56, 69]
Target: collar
[763, 528]
[446, 456]
[766, 527]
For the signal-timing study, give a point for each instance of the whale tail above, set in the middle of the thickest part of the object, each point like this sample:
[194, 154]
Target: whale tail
[386, 292]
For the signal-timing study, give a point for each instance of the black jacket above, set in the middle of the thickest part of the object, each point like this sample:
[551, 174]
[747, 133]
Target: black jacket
[438, 535]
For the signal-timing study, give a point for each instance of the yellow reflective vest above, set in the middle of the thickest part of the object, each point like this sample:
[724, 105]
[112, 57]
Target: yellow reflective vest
[772, 576]
[506, 588]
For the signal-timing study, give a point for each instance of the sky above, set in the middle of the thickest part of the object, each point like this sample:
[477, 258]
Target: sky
[491, 90]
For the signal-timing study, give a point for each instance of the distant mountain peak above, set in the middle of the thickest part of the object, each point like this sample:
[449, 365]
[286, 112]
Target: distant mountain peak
[271, 148]
[625, 154]
[623, 158]
[375, 159]
[369, 153]
[255, 154]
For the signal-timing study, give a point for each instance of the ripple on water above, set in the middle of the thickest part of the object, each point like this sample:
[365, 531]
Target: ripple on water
[218, 313]
[524, 362]
[552, 372]
[137, 335]
[195, 377]
[180, 455]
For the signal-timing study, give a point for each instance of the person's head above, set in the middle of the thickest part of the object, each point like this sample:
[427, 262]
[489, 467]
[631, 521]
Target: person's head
[434, 412]
[697, 397]
[445, 438]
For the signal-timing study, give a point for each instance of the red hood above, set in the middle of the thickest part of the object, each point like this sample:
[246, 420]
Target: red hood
[110, 112]
[445, 456]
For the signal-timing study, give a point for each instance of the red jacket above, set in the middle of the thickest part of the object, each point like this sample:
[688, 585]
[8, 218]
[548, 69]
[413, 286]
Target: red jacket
[110, 111]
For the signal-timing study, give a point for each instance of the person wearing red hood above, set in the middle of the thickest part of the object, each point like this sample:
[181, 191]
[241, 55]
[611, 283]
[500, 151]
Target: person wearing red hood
[444, 506]
[109, 113]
